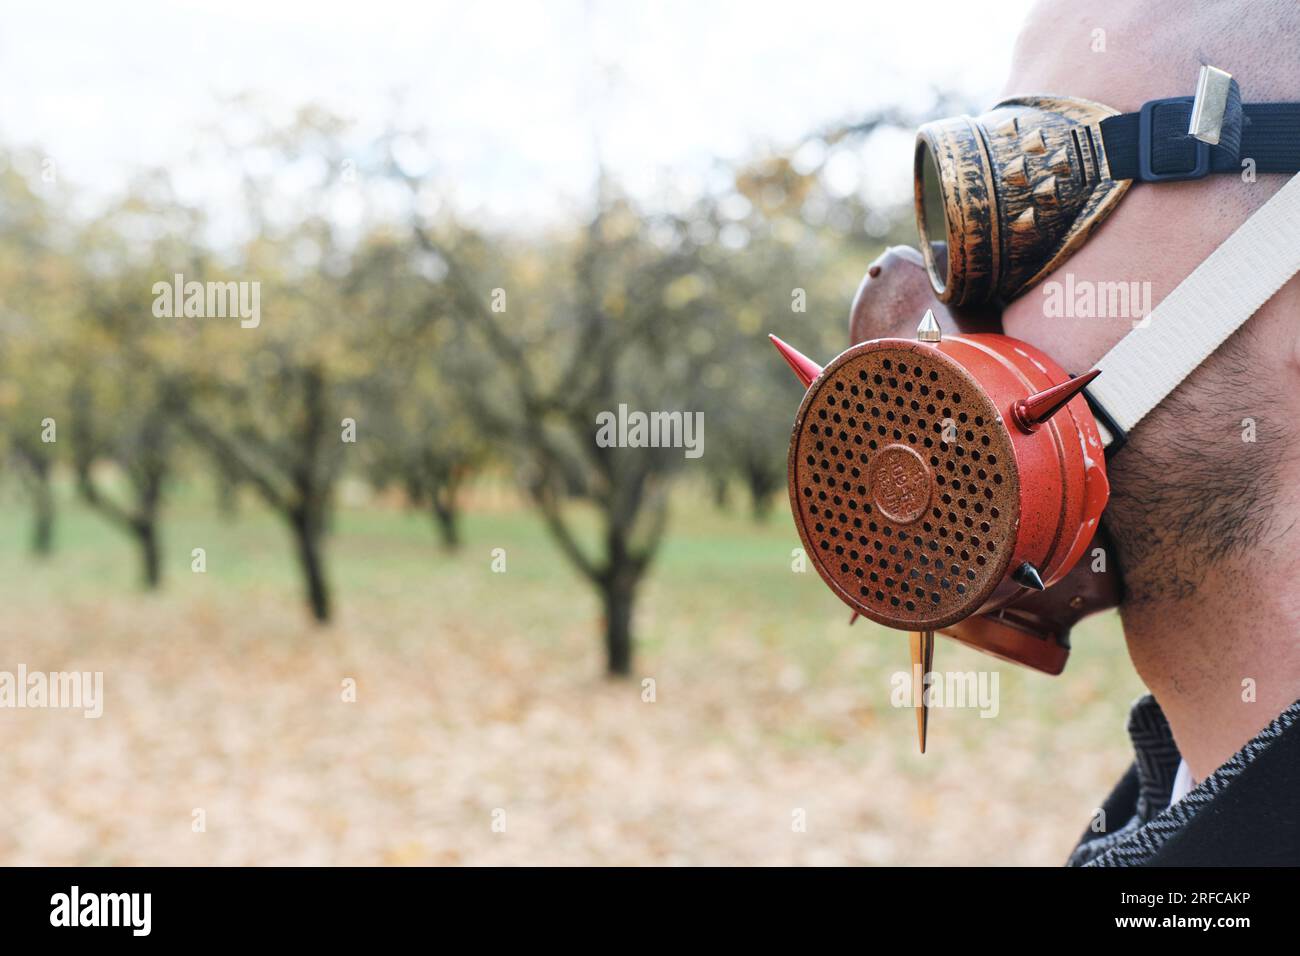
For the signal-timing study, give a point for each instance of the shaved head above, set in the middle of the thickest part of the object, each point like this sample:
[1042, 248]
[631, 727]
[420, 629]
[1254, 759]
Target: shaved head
[1206, 478]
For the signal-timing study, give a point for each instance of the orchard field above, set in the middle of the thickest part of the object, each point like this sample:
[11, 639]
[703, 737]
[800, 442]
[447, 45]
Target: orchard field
[483, 728]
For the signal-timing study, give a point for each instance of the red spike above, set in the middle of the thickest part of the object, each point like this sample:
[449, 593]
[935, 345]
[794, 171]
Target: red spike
[803, 366]
[1029, 413]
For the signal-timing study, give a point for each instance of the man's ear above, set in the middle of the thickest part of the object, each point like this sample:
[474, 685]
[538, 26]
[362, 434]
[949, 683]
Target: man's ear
[895, 293]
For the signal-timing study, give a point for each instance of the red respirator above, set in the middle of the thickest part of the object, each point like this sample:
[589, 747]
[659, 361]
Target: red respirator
[943, 483]
[940, 484]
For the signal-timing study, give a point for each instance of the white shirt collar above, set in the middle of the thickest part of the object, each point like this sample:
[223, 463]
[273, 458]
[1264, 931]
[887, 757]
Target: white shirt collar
[1183, 783]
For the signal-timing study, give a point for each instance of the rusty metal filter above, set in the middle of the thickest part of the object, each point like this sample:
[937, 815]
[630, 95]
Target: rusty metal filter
[904, 485]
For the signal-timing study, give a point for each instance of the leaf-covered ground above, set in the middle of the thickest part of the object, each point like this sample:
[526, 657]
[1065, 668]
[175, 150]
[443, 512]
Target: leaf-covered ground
[480, 701]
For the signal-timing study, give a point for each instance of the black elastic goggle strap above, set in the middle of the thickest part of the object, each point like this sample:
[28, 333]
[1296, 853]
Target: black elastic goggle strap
[1153, 145]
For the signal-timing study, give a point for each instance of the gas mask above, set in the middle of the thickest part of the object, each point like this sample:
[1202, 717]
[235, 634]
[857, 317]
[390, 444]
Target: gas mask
[951, 483]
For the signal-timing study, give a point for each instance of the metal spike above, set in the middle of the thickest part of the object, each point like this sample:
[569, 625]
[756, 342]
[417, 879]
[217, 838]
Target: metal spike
[1008, 129]
[1027, 576]
[1059, 162]
[1016, 173]
[1025, 222]
[928, 330]
[803, 366]
[1029, 413]
[1045, 192]
[922, 659]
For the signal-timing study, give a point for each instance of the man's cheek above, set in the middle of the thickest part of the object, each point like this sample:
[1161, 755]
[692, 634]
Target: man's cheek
[1074, 340]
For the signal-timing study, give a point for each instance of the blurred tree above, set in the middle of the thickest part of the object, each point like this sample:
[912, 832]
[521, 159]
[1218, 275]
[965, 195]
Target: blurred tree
[275, 400]
[36, 275]
[421, 431]
[290, 456]
[575, 329]
[772, 270]
[228, 482]
[125, 359]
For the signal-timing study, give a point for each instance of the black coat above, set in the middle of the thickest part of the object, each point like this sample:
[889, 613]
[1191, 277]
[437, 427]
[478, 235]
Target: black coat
[1247, 813]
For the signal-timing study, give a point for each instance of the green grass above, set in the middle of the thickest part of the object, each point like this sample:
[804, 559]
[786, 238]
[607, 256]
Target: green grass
[719, 576]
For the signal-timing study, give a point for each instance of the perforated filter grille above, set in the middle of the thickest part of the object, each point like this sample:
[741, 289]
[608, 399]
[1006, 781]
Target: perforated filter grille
[904, 486]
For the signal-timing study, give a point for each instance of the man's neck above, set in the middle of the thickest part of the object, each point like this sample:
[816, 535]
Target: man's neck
[1223, 660]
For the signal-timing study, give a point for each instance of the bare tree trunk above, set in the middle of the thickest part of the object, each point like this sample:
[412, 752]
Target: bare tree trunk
[307, 540]
[618, 584]
[227, 496]
[762, 486]
[441, 481]
[618, 595]
[43, 527]
[446, 509]
[446, 518]
[721, 494]
[146, 535]
[42, 508]
[148, 481]
[312, 516]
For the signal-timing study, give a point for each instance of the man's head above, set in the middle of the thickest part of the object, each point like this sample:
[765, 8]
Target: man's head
[1188, 493]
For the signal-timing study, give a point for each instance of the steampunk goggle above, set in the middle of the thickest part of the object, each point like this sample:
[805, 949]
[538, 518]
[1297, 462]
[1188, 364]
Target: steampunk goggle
[952, 482]
[1005, 197]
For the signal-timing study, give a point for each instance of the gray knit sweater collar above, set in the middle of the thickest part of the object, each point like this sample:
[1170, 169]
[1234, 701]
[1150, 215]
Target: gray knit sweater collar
[1156, 762]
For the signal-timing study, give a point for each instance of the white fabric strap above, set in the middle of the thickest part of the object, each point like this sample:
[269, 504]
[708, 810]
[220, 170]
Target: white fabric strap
[1206, 307]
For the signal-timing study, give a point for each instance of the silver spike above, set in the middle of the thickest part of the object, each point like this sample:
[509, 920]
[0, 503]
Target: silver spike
[928, 330]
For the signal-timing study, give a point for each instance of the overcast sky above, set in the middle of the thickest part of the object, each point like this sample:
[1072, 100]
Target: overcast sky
[512, 90]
